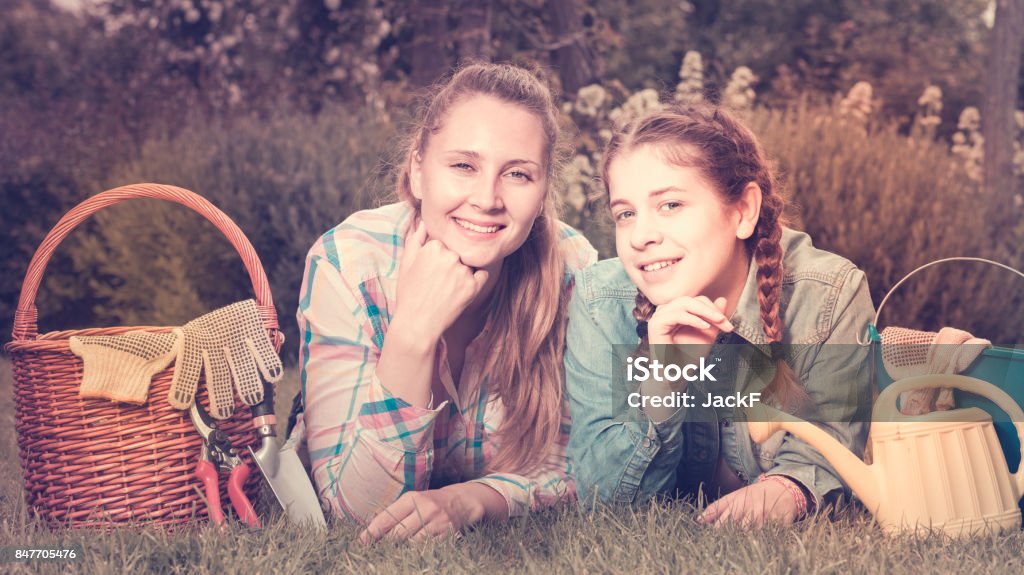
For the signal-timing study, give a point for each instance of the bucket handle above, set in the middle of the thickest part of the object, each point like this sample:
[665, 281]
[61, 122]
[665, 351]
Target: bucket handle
[864, 338]
[26, 316]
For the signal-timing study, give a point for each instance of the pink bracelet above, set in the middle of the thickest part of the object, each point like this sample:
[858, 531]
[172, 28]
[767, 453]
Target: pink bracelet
[794, 489]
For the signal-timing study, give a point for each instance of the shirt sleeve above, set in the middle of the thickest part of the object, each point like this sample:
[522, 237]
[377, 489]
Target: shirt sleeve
[620, 455]
[576, 250]
[839, 381]
[549, 484]
[366, 446]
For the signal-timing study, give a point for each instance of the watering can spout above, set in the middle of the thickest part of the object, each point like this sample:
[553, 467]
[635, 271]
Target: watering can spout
[764, 421]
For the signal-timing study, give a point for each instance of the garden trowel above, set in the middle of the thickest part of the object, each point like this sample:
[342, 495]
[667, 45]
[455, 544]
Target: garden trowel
[283, 470]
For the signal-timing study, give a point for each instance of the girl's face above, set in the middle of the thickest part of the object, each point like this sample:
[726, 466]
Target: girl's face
[482, 180]
[674, 234]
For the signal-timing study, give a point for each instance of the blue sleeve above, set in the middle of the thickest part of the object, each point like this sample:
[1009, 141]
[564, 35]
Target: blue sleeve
[620, 455]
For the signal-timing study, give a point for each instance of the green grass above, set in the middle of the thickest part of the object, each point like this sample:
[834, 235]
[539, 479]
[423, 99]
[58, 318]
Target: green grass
[659, 539]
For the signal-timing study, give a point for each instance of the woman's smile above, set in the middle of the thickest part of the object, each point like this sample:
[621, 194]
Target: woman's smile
[481, 230]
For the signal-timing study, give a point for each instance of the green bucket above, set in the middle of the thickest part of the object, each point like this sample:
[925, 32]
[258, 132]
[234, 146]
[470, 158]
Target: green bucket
[1001, 366]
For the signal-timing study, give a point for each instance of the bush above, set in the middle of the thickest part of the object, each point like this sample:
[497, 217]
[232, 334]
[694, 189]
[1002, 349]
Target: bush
[284, 180]
[891, 203]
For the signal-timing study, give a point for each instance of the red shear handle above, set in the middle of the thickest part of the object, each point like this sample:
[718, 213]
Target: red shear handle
[241, 503]
[207, 473]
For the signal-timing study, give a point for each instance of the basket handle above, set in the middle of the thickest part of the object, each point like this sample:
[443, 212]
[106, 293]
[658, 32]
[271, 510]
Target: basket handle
[878, 313]
[26, 316]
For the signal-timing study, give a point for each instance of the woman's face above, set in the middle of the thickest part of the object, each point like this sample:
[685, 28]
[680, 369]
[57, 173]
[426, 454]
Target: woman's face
[482, 180]
[674, 234]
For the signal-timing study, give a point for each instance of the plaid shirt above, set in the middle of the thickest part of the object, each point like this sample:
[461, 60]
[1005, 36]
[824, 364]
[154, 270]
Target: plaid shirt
[367, 446]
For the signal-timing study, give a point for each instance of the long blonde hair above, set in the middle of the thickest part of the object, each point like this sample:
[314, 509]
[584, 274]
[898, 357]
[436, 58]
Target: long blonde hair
[527, 321]
[728, 155]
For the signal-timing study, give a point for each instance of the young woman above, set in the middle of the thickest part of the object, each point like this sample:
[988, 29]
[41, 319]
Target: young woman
[432, 329]
[705, 260]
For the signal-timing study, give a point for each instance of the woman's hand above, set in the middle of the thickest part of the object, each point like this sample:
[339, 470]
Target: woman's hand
[419, 515]
[434, 286]
[753, 506]
[688, 320]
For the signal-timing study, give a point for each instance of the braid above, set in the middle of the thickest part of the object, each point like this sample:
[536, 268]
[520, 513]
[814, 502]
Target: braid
[768, 256]
[642, 314]
[784, 390]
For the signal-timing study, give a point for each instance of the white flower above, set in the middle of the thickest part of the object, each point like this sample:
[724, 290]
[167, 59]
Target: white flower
[857, 104]
[332, 56]
[739, 93]
[931, 97]
[929, 109]
[234, 94]
[636, 106]
[691, 78]
[970, 120]
[216, 11]
[969, 144]
[590, 100]
[579, 175]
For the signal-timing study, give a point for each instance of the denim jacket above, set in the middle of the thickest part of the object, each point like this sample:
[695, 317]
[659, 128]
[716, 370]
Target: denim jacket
[825, 300]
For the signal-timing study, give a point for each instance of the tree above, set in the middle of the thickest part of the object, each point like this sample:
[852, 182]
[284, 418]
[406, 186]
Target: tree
[998, 125]
[576, 62]
[429, 44]
[474, 30]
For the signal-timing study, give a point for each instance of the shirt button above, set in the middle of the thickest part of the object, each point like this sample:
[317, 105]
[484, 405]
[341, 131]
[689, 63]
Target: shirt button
[647, 442]
[702, 455]
[727, 422]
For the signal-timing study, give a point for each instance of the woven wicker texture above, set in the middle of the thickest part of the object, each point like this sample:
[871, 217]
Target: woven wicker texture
[91, 462]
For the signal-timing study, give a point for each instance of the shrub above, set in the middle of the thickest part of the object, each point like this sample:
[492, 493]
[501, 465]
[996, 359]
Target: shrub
[890, 204]
[284, 180]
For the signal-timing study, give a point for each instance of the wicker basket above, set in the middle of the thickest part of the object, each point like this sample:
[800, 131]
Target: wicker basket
[93, 462]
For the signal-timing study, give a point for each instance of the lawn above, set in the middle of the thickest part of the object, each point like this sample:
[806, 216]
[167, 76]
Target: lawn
[658, 539]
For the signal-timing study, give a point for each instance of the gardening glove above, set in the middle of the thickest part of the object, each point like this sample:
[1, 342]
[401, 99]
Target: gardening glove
[229, 344]
[908, 352]
[120, 367]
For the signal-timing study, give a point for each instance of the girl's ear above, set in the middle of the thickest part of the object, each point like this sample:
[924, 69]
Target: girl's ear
[416, 174]
[748, 210]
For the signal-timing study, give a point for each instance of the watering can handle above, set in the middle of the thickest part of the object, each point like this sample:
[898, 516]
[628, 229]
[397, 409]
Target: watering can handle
[885, 407]
[866, 339]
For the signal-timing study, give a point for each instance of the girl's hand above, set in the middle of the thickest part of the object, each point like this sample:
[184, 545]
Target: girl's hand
[753, 506]
[688, 320]
[419, 515]
[434, 286]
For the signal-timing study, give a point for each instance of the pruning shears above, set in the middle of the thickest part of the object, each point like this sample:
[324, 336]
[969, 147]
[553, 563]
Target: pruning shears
[218, 454]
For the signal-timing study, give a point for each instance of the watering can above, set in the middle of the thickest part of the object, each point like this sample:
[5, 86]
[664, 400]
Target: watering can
[943, 470]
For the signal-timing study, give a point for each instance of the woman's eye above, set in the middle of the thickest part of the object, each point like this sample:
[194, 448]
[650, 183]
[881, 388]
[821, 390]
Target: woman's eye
[670, 206]
[520, 175]
[462, 166]
[623, 215]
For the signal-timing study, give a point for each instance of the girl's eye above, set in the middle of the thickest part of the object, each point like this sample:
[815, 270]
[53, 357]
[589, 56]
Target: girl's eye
[462, 166]
[670, 206]
[623, 215]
